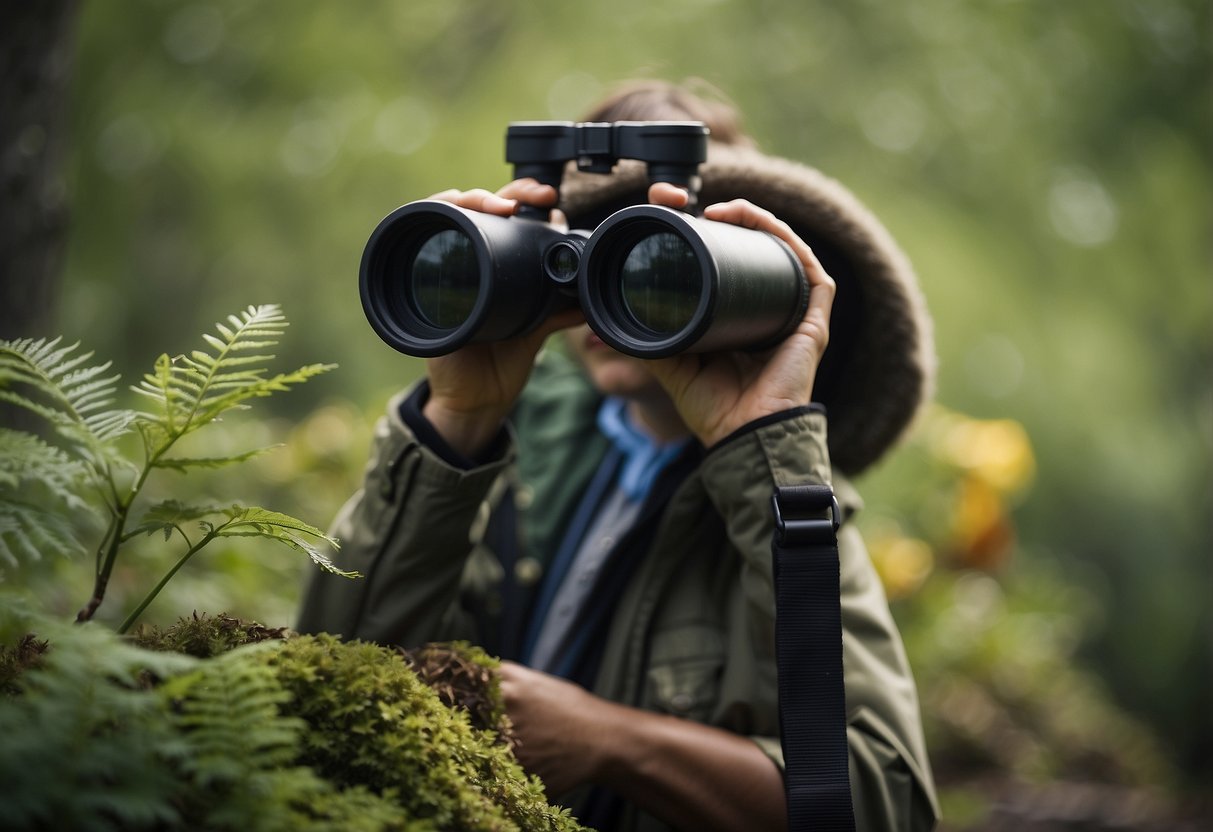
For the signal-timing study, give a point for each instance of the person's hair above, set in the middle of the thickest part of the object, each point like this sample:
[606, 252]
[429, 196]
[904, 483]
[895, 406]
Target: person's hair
[692, 100]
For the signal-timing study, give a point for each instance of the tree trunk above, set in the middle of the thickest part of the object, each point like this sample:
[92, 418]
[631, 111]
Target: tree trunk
[36, 56]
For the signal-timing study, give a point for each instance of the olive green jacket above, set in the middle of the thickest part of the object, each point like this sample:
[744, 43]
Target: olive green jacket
[693, 631]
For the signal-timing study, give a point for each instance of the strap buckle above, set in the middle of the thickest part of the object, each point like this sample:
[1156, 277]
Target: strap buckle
[791, 502]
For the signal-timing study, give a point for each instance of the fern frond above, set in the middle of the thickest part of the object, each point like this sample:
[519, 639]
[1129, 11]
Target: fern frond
[193, 390]
[85, 745]
[228, 710]
[259, 522]
[29, 532]
[24, 458]
[40, 498]
[225, 398]
[184, 464]
[71, 397]
[169, 515]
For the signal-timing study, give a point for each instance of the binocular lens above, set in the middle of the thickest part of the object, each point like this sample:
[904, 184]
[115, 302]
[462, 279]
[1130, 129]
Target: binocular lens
[652, 281]
[445, 279]
[660, 283]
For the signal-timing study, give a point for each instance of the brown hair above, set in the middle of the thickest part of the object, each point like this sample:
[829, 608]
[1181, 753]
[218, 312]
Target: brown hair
[693, 100]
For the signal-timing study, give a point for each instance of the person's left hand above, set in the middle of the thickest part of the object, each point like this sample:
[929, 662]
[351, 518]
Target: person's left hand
[717, 393]
[557, 726]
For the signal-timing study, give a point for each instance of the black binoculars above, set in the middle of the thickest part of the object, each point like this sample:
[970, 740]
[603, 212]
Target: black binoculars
[651, 281]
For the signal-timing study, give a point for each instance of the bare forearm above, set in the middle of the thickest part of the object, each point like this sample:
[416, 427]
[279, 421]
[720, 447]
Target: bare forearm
[694, 776]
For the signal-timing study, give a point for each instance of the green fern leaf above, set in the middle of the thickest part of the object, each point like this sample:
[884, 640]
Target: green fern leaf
[29, 532]
[169, 515]
[184, 464]
[40, 499]
[25, 459]
[191, 391]
[224, 398]
[158, 386]
[85, 745]
[228, 711]
[260, 522]
[75, 399]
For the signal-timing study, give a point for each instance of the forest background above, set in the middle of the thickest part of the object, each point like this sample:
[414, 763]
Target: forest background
[1045, 165]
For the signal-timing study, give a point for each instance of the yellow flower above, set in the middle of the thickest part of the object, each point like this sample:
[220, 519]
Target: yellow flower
[997, 451]
[982, 534]
[902, 563]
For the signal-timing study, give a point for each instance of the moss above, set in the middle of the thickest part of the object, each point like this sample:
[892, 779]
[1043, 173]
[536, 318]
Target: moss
[204, 636]
[304, 732]
[424, 728]
[373, 722]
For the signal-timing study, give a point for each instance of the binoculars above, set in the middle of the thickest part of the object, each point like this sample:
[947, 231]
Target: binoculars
[651, 281]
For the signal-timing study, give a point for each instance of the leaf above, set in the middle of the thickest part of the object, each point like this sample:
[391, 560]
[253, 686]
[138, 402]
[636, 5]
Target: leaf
[40, 498]
[169, 515]
[184, 464]
[157, 386]
[260, 522]
[229, 712]
[86, 745]
[26, 459]
[193, 390]
[71, 397]
[29, 532]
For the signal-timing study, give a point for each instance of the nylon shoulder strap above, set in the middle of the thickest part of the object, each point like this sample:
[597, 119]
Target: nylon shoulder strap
[808, 654]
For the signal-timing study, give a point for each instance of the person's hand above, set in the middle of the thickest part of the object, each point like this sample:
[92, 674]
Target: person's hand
[557, 724]
[473, 388]
[693, 775]
[717, 393]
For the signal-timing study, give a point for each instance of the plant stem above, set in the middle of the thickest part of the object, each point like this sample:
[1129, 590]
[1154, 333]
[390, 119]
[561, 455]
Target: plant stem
[101, 581]
[151, 596]
[114, 538]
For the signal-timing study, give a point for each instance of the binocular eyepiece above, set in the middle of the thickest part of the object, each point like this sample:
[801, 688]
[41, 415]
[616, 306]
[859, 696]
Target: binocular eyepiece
[651, 281]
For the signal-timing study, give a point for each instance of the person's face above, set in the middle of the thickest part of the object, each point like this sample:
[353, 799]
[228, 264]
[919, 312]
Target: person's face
[611, 372]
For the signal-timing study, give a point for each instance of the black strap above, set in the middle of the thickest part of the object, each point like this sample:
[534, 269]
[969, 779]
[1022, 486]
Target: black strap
[808, 654]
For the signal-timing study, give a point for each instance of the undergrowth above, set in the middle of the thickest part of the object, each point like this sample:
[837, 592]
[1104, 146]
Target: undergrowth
[271, 731]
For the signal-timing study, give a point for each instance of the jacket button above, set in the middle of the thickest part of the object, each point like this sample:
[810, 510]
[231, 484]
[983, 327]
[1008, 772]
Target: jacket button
[523, 497]
[527, 571]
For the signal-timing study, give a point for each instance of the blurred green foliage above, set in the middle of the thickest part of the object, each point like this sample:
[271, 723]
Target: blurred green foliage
[1046, 166]
[993, 631]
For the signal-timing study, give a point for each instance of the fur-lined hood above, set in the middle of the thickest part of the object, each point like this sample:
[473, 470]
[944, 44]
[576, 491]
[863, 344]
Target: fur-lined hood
[879, 368]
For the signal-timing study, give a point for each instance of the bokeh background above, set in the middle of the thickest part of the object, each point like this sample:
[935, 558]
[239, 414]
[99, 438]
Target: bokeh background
[1046, 531]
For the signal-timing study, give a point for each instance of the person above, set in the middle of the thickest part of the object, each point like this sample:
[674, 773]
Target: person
[604, 523]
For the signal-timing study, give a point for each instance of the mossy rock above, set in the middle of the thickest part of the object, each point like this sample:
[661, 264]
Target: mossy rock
[257, 728]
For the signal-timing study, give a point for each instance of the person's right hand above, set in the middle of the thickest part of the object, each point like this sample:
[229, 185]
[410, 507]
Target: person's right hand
[473, 388]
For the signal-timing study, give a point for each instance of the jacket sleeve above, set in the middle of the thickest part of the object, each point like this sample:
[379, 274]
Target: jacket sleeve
[407, 532]
[891, 784]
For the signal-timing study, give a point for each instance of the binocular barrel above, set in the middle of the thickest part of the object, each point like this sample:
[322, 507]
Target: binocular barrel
[651, 281]
[435, 277]
[656, 282]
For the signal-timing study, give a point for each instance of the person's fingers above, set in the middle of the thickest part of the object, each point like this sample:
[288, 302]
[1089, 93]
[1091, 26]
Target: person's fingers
[505, 201]
[449, 195]
[529, 191]
[509, 670]
[745, 213]
[479, 199]
[669, 195]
